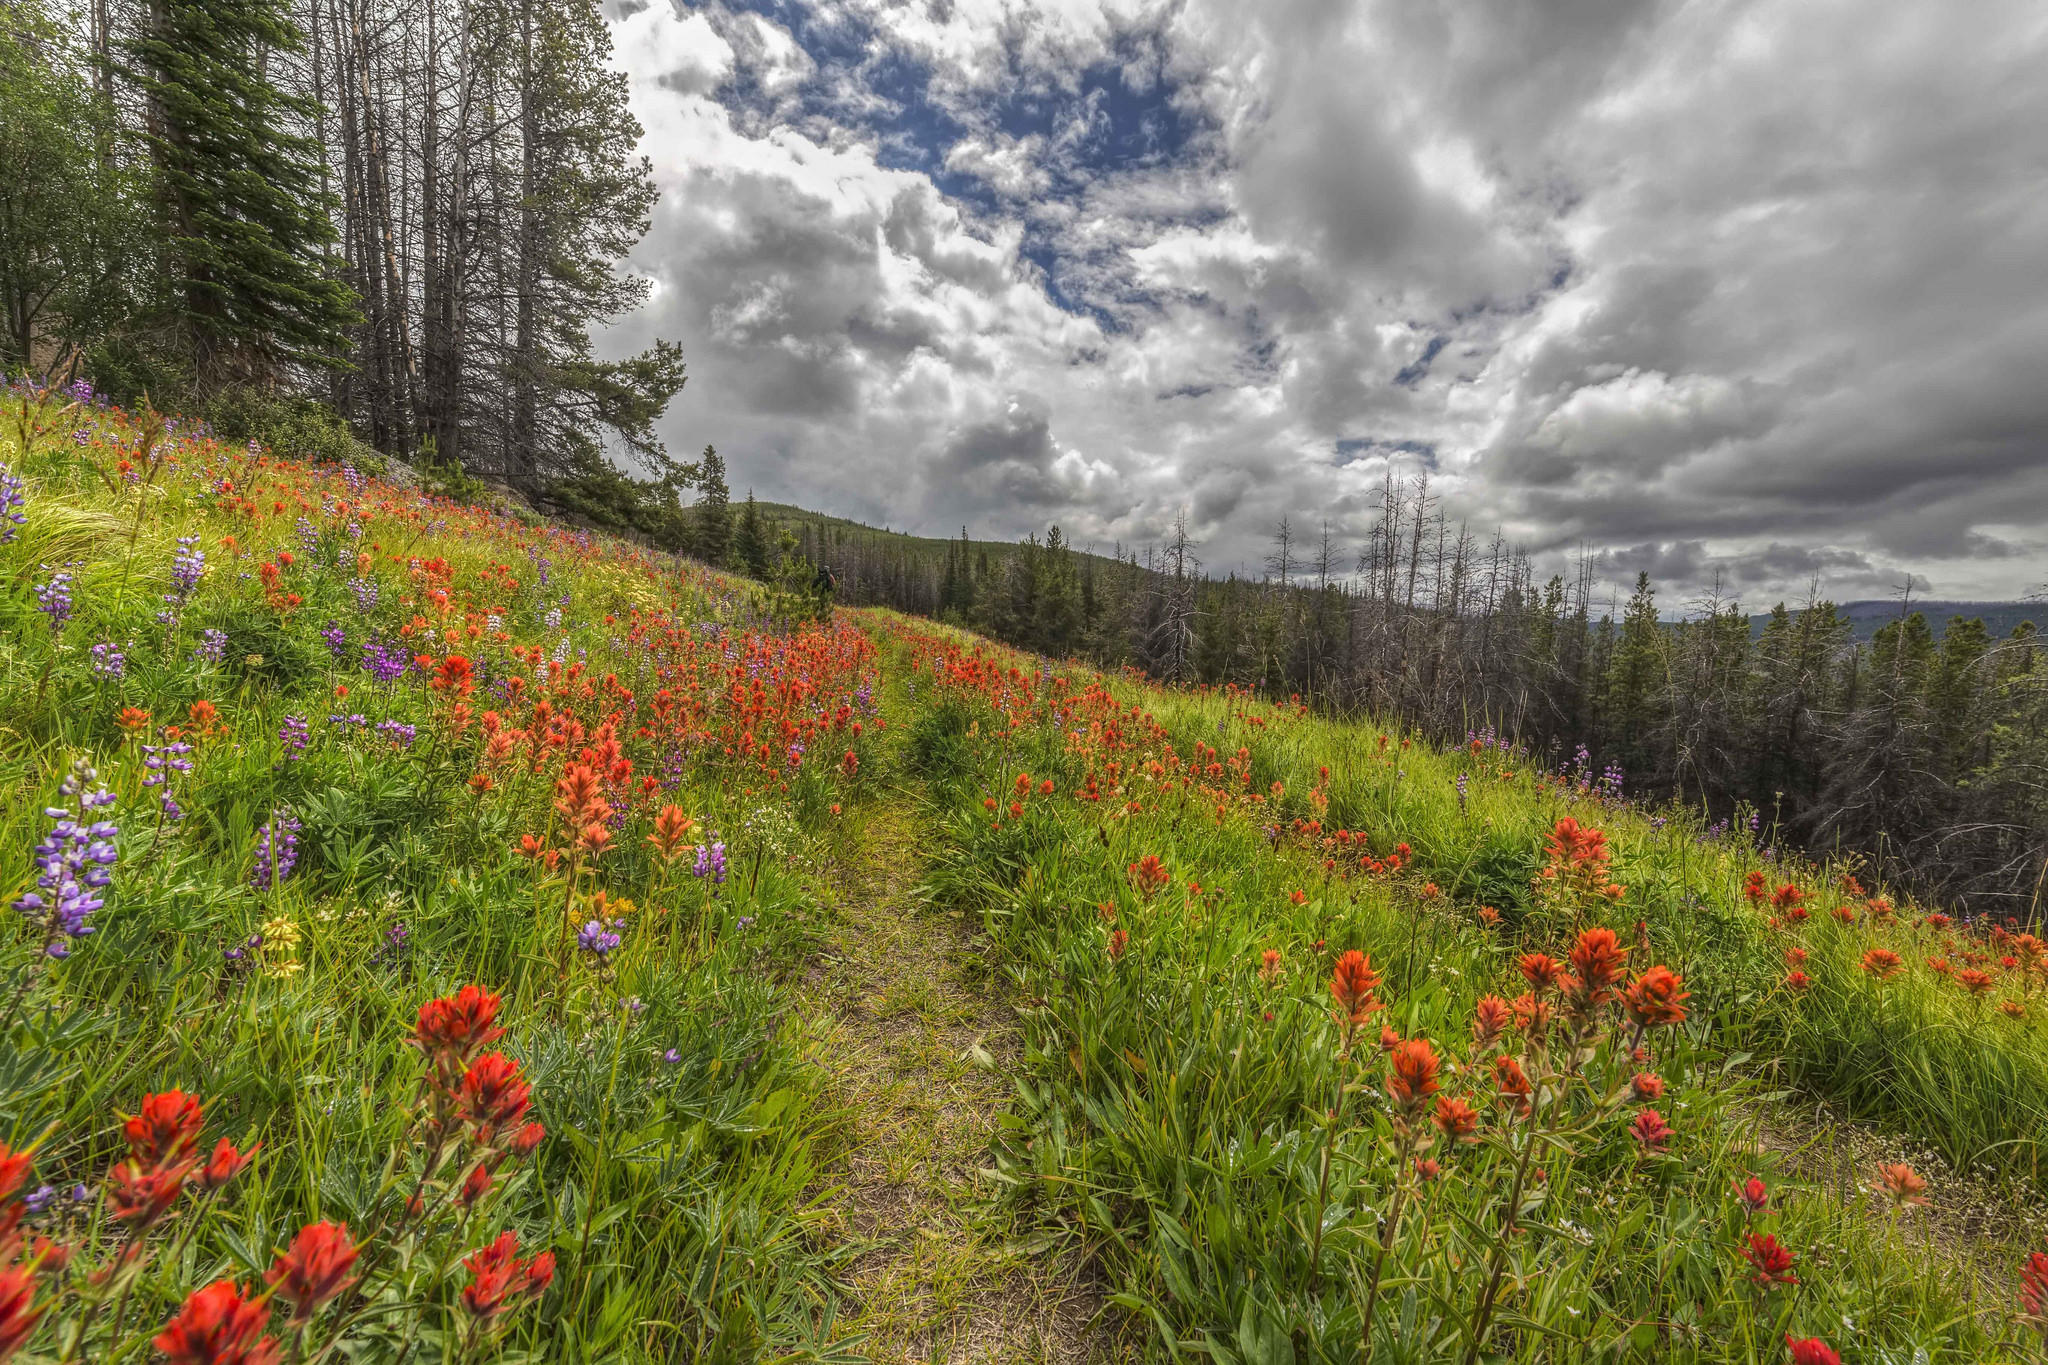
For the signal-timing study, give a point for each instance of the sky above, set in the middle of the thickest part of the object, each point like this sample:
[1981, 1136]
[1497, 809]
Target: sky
[1740, 293]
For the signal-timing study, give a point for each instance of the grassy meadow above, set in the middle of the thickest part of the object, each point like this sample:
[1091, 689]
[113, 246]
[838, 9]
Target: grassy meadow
[415, 905]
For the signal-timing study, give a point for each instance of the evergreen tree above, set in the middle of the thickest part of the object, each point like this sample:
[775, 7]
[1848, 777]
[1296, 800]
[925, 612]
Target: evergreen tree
[711, 518]
[245, 224]
[750, 541]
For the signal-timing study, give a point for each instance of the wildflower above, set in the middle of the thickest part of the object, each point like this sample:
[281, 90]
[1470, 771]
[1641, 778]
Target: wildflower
[1882, 963]
[1512, 1082]
[452, 1028]
[500, 1280]
[1531, 1014]
[671, 826]
[1352, 983]
[1974, 980]
[12, 518]
[454, 675]
[1901, 1184]
[598, 938]
[19, 1313]
[212, 647]
[1149, 875]
[1657, 997]
[1456, 1119]
[1270, 970]
[1753, 887]
[292, 737]
[109, 662]
[219, 1325]
[1810, 1351]
[53, 599]
[133, 718]
[1489, 1019]
[74, 859]
[476, 1186]
[314, 1269]
[1646, 1087]
[1650, 1131]
[2034, 1286]
[494, 1095]
[710, 863]
[141, 1196]
[528, 1139]
[1596, 958]
[1540, 971]
[277, 850]
[1770, 1263]
[1427, 1170]
[165, 1130]
[225, 1164]
[1755, 1196]
[1798, 981]
[1118, 941]
[1412, 1073]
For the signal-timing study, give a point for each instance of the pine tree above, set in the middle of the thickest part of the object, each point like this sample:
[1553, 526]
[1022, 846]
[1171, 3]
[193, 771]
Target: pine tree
[750, 541]
[245, 224]
[711, 517]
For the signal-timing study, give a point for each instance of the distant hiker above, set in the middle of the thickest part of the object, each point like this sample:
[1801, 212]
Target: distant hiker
[826, 583]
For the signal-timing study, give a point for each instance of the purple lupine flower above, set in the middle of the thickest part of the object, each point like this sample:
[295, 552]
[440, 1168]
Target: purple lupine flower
[385, 665]
[710, 862]
[672, 1056]
[11, 502]
[367, 593]
[53, 599]
[108, 661]
[188, 566]
[309, 535]
[398, 732]
[1464, 781]
[337, 640]
[351, 480]
[598, 938]
[74, 858]
[293, 735]
[212, 647]
[277, 850]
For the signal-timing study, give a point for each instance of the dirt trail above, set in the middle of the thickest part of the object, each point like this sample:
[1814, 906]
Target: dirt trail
[918, 1053]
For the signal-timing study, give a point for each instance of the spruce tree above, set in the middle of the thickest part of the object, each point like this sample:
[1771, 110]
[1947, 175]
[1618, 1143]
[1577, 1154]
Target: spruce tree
[711, 518]
[750, 542]
[245, 225]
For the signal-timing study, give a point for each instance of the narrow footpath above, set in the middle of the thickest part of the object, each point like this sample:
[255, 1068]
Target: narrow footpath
[918, 1051]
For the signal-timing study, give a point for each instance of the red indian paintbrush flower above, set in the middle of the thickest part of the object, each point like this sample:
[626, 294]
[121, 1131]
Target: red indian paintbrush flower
[1798, 981]
[1149, 875]
[166, 1129]
[225, 1164]
[1650, 1131]
[527, 1140]
[314, 1269]
[1540, 970]
[452, 1028]
[1646, 1086]
[500, 1280]
[1901, 1184]
[1974, 980]
[1755, 1196]
[1352, 983]
[1490, 1019]
[141, 1197]
[1770, 1263]
[1119, 940]
[1512, 1082]
[2034, 1288]
[1882, 963]
[1657, 997]
[1412, 1069]
[1754, 888]
[494, 1094]
[219, 1325]
[19, 1312]
[671, 829]
[1810, 1351]
[1456, 1119]
[1597, 958]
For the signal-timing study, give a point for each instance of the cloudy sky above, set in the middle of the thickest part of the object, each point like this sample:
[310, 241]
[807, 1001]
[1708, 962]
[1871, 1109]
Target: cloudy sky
[1708, 287]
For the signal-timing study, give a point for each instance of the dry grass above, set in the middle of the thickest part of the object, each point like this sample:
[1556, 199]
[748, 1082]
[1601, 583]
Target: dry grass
[918, 1058]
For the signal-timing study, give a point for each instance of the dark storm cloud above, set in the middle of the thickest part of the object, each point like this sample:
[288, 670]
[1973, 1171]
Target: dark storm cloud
[1727, 292]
